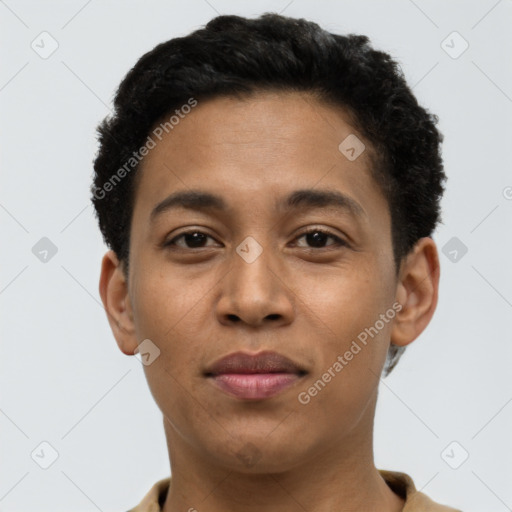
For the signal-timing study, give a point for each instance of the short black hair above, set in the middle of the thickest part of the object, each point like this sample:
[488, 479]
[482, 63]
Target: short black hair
[237, 56]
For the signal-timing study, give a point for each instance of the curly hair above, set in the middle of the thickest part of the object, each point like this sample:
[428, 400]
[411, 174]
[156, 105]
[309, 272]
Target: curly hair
[236, 56]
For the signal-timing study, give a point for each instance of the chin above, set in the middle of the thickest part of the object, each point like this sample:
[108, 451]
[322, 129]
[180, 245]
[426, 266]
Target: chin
[257, 454]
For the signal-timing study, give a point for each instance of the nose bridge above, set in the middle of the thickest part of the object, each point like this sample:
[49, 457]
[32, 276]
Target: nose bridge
[253, 292]
[252, 263]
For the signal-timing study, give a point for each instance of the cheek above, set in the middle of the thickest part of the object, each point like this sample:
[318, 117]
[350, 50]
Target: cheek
[174, 310]
[339, 391]
[345, 301]
[353, 315]
[163, 301]
[171, 313]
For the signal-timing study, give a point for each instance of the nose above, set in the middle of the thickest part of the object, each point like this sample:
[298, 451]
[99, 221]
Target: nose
[256, 293]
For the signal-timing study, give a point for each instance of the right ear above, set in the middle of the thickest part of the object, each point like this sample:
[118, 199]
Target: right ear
[113, 290]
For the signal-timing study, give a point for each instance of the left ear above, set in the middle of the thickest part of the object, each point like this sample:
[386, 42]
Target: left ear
[417, 292]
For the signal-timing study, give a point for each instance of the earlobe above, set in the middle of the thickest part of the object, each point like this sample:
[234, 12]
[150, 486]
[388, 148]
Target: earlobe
[417, 292]
[116, 301]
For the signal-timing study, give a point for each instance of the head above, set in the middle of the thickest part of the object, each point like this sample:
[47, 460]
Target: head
[292, 128]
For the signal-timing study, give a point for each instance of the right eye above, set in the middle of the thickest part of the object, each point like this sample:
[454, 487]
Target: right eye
[193, 237]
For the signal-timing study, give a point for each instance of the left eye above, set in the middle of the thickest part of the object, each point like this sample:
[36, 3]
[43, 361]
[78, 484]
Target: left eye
[316, 237]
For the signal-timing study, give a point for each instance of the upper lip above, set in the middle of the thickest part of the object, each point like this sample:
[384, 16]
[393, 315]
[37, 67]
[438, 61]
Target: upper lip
[262, 362]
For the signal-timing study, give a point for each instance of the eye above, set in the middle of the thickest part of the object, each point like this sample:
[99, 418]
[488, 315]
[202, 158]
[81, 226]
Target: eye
[194, 237]
[317, 237]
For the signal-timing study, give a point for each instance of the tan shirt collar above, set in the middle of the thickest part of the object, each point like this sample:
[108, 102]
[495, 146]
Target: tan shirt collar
[401, 483]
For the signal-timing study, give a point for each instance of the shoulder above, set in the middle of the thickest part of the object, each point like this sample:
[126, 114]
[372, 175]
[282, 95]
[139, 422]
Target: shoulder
[415, 501]
[155, 497]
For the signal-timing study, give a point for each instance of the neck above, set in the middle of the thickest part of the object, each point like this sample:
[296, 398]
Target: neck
[341, 476]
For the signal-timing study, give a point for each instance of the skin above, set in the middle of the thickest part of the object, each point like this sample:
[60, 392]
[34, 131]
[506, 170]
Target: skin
[198, 303]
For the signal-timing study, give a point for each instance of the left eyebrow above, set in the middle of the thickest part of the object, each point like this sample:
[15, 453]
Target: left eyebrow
[299, 199]
[323, 199]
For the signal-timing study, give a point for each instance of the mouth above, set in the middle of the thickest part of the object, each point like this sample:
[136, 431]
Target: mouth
[254, 376]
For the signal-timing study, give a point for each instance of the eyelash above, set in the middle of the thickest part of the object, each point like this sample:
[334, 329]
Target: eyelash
[339, 242]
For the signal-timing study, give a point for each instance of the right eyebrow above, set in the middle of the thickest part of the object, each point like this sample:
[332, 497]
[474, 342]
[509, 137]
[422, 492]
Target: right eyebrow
[192, 200]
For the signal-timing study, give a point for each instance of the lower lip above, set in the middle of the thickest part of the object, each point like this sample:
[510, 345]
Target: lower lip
[254, 386]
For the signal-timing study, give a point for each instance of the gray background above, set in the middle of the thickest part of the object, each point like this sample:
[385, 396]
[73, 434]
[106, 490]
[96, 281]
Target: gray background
[64, 381]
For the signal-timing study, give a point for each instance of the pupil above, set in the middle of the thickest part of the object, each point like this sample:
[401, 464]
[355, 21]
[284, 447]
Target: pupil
[196, 239]
[316, 238]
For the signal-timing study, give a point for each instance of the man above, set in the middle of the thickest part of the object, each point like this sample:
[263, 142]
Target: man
[268, 192]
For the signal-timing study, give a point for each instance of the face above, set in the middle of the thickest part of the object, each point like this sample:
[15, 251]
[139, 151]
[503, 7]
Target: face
[249, 278]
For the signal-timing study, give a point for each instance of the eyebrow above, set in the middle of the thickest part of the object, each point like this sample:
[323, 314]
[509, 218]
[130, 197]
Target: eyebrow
[299, 199]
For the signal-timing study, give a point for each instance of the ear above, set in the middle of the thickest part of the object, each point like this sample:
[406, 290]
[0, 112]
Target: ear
[116, 301]
[417, 292]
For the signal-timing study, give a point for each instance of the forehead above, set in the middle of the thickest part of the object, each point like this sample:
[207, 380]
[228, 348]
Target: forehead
[252, 148]
[261, 119]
